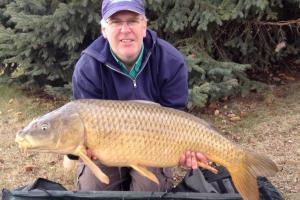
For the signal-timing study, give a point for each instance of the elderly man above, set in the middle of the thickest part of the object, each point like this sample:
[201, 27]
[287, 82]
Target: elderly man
[130, 62]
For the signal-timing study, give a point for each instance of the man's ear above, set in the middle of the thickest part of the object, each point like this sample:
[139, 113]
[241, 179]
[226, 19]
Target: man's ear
[145, 29]
[103, 30]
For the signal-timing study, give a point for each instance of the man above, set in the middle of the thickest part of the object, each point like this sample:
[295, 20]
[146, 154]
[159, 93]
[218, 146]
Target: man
[130, 62]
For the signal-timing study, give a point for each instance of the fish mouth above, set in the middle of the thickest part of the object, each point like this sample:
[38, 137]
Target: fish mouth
[23, 143]
[26, 146]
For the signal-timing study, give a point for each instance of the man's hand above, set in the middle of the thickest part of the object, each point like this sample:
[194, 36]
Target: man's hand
[190, 159]
[68, 163]
[90, 154]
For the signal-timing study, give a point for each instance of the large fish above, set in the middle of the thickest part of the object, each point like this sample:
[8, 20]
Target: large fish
[140, 135]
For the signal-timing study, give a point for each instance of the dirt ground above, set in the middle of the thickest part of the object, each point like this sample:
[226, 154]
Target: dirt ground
[268, 123]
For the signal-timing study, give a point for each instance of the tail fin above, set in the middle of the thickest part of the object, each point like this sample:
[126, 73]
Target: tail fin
[245, 172]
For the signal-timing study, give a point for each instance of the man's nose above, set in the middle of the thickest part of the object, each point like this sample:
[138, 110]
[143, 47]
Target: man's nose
[125, 27]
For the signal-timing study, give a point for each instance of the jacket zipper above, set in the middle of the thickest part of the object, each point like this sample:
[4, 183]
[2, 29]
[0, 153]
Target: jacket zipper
[147, 58]
[134, 83]
[133, 80]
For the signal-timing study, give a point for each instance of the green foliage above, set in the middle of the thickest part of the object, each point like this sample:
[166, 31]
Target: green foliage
[174, 16]
[231, 30]
[47, 37]
[59, 92]
[210, 79]
[222, 40]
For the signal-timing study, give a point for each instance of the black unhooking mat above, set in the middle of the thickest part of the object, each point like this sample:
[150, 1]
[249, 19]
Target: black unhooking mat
[186, 190]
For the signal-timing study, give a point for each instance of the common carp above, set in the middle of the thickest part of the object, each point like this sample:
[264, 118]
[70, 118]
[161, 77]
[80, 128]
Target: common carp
[140, 135]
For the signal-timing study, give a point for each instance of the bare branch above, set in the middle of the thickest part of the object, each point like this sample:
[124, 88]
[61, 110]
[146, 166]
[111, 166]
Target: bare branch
[280, 23]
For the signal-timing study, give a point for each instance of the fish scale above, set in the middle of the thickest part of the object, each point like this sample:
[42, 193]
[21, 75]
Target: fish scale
[139, 135]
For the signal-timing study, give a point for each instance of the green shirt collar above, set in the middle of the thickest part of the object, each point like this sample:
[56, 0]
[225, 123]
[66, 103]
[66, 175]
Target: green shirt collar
[136, 67]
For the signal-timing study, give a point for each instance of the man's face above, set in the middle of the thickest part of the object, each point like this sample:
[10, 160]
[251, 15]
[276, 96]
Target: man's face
[125, 31]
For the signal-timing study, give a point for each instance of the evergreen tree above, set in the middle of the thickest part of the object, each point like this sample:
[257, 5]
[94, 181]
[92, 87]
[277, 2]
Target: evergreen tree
[224, 39]
[47, 37]
[5, 69]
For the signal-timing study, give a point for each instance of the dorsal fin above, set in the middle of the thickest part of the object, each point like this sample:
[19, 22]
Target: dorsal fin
[146, 102]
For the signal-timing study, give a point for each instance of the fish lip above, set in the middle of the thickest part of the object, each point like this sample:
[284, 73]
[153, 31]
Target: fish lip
[22, 142]
[20, 139]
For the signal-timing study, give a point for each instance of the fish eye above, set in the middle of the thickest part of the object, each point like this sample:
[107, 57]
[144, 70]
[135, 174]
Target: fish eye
[44, 127]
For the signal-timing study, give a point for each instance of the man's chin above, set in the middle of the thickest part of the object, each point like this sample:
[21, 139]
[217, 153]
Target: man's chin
[129, 59]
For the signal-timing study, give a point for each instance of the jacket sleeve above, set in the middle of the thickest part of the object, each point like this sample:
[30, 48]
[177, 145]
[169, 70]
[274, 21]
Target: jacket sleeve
[86, 79]
[174, 89]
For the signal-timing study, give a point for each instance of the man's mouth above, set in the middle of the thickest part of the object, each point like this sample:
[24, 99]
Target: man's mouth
[126, 41]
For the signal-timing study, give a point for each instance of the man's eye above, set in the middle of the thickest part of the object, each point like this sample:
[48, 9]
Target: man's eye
[132, 22]
[116, 22]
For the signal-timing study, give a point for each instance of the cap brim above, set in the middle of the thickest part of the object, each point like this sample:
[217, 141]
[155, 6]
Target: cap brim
[122, 8]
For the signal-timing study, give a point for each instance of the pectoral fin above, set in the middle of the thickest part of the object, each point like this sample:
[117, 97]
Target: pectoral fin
[145, 172]
[95, 169]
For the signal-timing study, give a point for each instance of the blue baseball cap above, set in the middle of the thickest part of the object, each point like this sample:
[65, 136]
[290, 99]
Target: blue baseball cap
[110, 7]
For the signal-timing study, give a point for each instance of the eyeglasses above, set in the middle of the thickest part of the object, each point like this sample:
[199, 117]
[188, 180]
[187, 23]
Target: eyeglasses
[118, 24]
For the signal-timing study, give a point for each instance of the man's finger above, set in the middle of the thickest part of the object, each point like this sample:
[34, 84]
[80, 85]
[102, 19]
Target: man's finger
[94, 158]
[201, 157]
[188, 160]
[188, 153]
[194, 164]
[182, 160]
